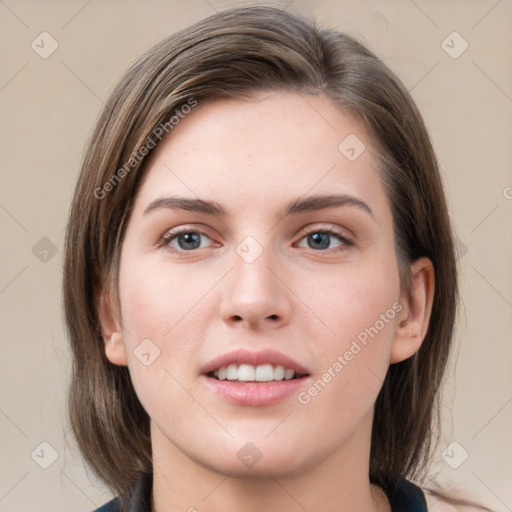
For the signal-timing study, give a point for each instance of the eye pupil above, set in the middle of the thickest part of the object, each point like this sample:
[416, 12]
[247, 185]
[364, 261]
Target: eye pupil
[319, 238]
[189, 238]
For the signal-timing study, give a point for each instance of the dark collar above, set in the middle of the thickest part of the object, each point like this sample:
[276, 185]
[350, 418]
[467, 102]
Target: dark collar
[139, 499]
[403, 495]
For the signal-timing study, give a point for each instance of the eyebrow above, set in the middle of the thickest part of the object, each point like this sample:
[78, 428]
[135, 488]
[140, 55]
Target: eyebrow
[295, 206]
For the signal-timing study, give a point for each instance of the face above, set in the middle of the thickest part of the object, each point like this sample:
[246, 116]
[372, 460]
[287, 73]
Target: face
[221, 306]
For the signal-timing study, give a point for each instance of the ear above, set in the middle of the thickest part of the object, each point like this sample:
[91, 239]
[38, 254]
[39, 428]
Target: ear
[415, 316]
[111, 330]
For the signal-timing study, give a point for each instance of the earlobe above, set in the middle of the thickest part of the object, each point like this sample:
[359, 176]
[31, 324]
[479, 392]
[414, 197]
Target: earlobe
[111, 332]
[115, 349]
[415, 316]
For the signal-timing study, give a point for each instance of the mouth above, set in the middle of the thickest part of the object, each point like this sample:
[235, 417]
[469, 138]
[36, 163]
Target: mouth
[250, 373]
[254, 378]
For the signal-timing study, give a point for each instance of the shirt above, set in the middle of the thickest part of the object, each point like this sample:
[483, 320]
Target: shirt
[403, 496]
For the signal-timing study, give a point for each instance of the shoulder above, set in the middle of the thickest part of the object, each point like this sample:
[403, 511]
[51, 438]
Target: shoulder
[438, 504]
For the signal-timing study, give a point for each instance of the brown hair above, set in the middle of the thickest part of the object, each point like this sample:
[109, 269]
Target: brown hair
[232, 54]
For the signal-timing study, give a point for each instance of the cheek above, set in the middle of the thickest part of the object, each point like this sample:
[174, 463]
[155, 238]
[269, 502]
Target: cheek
[353, 361]
[347, 300]
[167, 311]
[356, 312]
[163, 317]
[157, 300]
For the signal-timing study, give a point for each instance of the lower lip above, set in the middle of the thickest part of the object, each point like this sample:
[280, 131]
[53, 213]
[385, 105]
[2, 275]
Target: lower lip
[256, 394]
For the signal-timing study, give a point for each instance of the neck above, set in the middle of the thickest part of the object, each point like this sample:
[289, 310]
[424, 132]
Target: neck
[338, 482]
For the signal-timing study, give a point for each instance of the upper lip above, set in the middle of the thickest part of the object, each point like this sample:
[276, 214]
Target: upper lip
[254, 358]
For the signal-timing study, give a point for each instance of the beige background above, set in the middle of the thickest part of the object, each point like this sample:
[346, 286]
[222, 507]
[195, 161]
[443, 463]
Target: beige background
[48, 109]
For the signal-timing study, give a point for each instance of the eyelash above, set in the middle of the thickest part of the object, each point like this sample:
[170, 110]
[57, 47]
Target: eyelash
[166, 240]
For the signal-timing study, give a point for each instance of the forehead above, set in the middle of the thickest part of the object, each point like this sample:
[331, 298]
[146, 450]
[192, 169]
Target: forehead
[256, 152]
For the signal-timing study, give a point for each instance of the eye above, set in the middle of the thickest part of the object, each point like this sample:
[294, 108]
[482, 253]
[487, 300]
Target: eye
[321, 239]
[183, 240]
[190, 239]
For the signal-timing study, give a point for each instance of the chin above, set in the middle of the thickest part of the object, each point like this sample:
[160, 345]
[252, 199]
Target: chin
[263, 460]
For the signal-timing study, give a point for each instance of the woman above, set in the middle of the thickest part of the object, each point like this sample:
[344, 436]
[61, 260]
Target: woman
[260, 283]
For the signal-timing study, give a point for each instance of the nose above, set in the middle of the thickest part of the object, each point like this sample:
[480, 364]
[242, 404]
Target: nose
[256, 294]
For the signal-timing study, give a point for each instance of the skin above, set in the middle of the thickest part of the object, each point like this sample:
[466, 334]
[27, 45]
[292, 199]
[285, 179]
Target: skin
[252, 157]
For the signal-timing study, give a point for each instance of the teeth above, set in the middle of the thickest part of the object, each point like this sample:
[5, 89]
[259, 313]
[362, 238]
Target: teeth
[248, 373]
[264, 373]
[232, 372]
[288, 374]
[279, 373]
